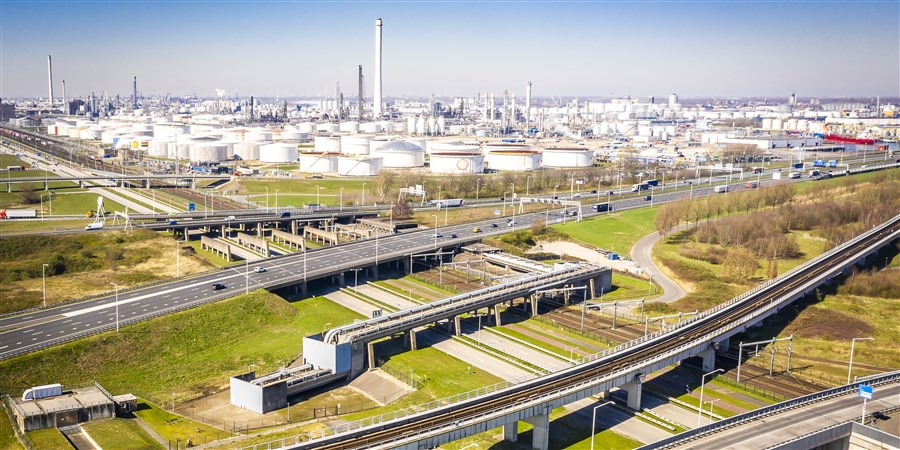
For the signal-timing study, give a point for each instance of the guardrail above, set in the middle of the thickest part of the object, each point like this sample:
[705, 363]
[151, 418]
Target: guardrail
[771, 409]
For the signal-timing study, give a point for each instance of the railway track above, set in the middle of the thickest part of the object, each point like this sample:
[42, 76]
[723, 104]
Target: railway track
[625, 330]
[450, 416]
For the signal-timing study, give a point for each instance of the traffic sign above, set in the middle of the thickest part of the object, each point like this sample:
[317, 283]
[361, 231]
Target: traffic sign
[864, 392]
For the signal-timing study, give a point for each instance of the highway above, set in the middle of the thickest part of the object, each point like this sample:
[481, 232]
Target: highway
[35, 329]
[633, 354]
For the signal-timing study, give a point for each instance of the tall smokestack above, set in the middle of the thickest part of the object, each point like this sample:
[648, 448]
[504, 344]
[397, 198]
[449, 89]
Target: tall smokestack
[50, 77]
[134, 96]
[65, 106]
[376, 92]
[528, 107]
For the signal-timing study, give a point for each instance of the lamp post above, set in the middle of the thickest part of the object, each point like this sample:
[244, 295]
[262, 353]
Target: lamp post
[702, 385]
[117, 312]
[594, 421]
[341, 200]
[44, 282]
[527, 180]
[608, 200]
[276, 201]
[318, 188]
[852, 345]
[363, 190]
[435, 229]
[710, 407]
[504, 203]
[267, 198]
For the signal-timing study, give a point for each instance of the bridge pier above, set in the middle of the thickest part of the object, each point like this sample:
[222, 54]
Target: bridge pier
[709, 359]
[724, 345]
[534, 305]
[456, 326]
[358, 353]
[46, 185]
[511, 432]
[497, 316]
[373, 272]
[591, 287]
[340, 280]
[294, 227]
[370, 353]
[409, 340]
[633, 389]
[541, 431]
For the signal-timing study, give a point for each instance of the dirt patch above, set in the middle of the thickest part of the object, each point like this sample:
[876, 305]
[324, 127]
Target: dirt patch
[828, 324]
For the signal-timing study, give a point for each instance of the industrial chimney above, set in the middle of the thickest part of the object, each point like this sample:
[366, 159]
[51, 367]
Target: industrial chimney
[50, 77]
[376, 109]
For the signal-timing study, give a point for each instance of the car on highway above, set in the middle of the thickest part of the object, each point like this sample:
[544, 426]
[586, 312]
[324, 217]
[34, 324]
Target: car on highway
[218, 286]
[493, 225]
[476, 230]
[647, 198]
[511, 223]
[231, 218]
[437, 235]
[453, 235]
[259, 269]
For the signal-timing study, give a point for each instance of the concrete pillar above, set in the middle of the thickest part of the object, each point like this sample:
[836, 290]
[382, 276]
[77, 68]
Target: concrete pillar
[709, 359]
[9, 187]
[373, 272]
[724, 345]
[534, 305]
[406, 343]
[511, 432]
[358, 358]
[341, 281]
[541, 431]
[566, 296]
[222, 233]
[591, 286]
[268, 251]
[294, 227]
[406, 266]
[370, 352]
[46, 185]
[456, 326]
[303, 289]
[633, 389]
[412, 340]
[497, 316]
[259, 230]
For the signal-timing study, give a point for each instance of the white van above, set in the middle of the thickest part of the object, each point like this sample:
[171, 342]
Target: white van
[94, 226]
[721, 189]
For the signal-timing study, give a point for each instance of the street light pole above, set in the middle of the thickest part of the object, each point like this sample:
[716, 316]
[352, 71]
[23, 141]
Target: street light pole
[318, 188]
[852, 345]
[594, 421]
[435, 229]
[341, 200]
[276, 202]
[702, 385]
[44, 282]
[267, 198]
[117, 306]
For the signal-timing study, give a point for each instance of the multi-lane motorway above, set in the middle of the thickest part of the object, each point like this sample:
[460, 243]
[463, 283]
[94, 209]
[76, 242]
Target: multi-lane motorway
[41, 328]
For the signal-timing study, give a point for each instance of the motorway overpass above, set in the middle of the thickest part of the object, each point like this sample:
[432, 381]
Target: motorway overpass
[441, 421]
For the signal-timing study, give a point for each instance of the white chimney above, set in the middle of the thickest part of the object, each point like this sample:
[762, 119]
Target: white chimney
[50, 77]
[376, 109]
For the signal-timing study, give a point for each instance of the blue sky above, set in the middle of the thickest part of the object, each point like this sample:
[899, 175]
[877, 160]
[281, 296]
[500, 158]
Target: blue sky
[587, 48]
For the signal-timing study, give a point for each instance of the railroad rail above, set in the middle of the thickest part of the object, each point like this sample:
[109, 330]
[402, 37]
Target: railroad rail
[443, 416]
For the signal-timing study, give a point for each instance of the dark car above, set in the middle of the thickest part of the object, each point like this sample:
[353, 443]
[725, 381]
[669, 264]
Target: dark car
[493, 225]
[648, 198]
[593, 191]
[453, 235]
[218, 286]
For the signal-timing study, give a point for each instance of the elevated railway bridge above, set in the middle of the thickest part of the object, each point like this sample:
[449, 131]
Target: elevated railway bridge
[505, 404]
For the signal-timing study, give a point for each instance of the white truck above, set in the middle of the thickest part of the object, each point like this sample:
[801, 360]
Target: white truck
[18, 214]
[450, 202]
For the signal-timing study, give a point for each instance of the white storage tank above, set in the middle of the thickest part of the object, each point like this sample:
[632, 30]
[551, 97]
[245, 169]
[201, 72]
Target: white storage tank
[401, 154]
[306, 127]
[327, 128]
[349, 127]
[159, 147]
[258, 135]
[246, 151]
[90, 134]
[359, 165]
[318, 162]
[568, 157]
[512, 157]
[396, 127]
[370, 127]
[457, 163]
[327, 144]
[357, 144]
[450, 147]
[293, 136]
[209, 152]
[278, 152]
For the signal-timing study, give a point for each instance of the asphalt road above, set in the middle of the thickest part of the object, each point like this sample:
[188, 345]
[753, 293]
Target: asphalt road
[41, 328]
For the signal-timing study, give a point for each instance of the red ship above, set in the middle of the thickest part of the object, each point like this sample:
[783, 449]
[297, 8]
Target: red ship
[848, 140]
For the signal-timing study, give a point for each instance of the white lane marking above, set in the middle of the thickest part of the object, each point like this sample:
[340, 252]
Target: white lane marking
[1, 348]
[25, 331]
[66, 321]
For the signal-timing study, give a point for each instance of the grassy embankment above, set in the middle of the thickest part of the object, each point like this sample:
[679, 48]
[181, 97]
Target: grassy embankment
[84, 264]
[121, 434]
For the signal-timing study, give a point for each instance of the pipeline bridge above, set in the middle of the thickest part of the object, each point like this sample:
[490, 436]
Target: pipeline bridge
[505, 404]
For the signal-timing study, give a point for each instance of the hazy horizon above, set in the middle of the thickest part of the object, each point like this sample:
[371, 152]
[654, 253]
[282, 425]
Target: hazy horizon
[728, 49]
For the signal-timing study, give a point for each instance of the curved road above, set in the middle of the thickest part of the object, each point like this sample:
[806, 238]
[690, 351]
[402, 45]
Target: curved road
[640, 253]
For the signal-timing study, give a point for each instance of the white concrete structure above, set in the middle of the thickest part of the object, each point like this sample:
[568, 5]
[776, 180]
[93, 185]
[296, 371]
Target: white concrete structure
[359, 166]
[318, 162]
[457, 163]
[400, 154]
[567, 157]
[278, 153]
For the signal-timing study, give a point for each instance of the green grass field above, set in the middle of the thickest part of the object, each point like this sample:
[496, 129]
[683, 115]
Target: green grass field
[49, 439]
[8, 439]
[80, 202]
[616, 232]
[186, 352]
[329, 186]
[11, 160]
[173, 428]
[121, 434]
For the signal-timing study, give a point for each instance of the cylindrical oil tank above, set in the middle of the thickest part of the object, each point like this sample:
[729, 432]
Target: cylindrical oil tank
[90, 134]
[327, 128]
[278, 152]
[246, 151]
[777, 124]
[209, 152]
[396, 127]
[236, 134]
[766, 124]
[159, 147]
[400, 154]
[327, 144]
[450, 147]
[349, 127]
[512, 157]
[306, 127]
[355, 144]
[370, 127]
[258, 135]
[358, 165]
[293, 135]
[229, 147]
[567, 157]
[318, 162]
[457, 163]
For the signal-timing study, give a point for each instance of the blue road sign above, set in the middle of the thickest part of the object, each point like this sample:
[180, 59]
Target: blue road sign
[864, 392]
